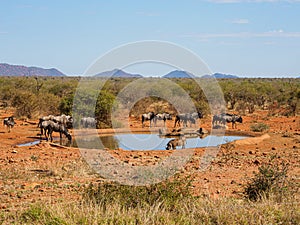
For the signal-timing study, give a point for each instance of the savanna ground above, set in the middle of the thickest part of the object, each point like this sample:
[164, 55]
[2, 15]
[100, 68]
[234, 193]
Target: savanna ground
[51, 184]
[50, 175]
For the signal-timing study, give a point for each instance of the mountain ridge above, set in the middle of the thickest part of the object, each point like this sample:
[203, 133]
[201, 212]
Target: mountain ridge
[221, 76]
[117, 73]
[20, 70]
[179, 74]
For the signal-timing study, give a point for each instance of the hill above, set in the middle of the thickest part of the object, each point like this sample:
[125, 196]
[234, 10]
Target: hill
[179, 74]
[19, 70]
[185, 74]
[220, 76]
[118, 73]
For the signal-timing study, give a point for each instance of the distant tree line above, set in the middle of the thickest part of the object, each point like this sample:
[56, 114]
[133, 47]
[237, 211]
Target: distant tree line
[36, 96]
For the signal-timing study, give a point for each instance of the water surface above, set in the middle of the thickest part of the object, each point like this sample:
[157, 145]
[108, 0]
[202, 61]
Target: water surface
[139, 141]
[149, 141]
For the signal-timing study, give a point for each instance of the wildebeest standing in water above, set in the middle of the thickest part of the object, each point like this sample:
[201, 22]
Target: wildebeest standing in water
[224, 118]
[49, 127]
[162, 116]
[9, 122]
[63, 119]
[148, 116]
[173, 143]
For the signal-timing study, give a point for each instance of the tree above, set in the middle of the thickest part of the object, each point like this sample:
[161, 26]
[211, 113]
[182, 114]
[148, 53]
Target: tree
[25, 103]
[104, 107]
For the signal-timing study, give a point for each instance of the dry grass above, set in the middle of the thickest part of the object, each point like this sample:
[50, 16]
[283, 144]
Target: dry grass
[165, 203]
[168, 203]
[196, 211]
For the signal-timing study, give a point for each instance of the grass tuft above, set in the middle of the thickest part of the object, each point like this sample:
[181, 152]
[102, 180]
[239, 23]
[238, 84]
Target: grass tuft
[259, 127]
[270, 180]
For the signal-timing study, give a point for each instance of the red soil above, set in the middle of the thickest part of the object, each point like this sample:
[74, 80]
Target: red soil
[50, 173]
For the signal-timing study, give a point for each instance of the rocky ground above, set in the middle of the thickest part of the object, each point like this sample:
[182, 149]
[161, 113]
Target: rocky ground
[50, 173]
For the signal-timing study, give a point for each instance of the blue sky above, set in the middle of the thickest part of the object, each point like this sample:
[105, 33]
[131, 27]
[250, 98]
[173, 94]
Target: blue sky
[241, 37]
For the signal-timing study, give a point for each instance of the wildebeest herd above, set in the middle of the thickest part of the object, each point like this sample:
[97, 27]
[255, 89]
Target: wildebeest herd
[183, 118]
[187, 117]
[219, 121]
[49, 124]
[61, 124]
[222, 119]
[153, 118]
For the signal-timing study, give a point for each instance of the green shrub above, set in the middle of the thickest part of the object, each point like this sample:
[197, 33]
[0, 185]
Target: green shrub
[271, 179]
[66, 104]
[40, 215]
[32, 214]
[259, 127]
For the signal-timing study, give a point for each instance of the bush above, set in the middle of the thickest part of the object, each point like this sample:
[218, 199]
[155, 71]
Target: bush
[104, 107]
[39, 215]
[171, 193]
[26, 104]
[270, 179]
[259, 127]
[66, 104]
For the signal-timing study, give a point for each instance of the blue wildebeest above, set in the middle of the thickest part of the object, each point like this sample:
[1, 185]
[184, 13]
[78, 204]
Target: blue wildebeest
[148, 116]
[67, 121]
[173, 143]
[162, 116]
[9, 122]
[218, 120]
[42, 119]
[187, 117]
[64, 119]
[224, 118]
[49, 127]
[88, 122]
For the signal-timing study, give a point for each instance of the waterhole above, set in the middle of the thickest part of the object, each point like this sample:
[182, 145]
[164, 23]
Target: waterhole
[139, 141]
[147, 141]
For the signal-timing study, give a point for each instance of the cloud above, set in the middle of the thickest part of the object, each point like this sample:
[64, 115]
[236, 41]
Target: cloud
[275, 34]
[241, 21]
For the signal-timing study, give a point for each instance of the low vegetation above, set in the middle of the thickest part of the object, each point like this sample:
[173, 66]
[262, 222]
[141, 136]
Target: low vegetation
[170, 194]
[259, 127]
[171, 202]
[271, 180]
